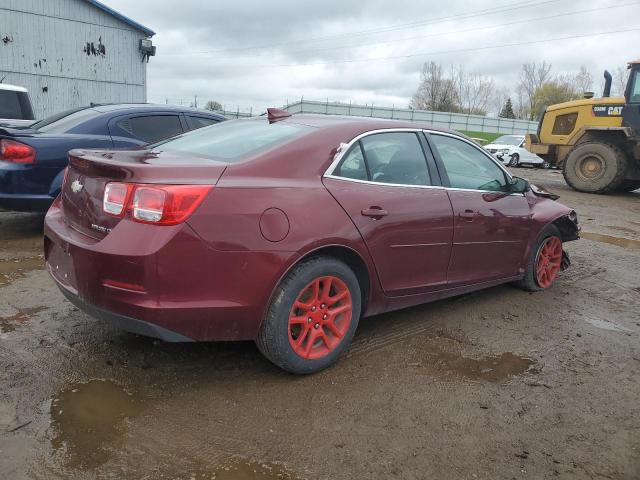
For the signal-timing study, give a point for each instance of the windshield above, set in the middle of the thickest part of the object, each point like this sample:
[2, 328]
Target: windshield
[233, 140]
[514, 140]
[65, 121]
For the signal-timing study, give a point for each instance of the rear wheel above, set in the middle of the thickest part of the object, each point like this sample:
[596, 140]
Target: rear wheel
[545, 262]
[312, 317]
[546, 164]
[595, 167]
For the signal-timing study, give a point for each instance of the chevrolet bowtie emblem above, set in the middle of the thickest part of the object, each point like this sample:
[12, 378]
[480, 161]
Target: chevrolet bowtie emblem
[76, 186]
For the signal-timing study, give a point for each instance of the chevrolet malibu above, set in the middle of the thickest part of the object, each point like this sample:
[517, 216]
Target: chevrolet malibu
[286, 230]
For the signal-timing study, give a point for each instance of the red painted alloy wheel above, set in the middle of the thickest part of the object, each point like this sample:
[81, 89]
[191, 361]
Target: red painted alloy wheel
[320, 317]
[548, 262]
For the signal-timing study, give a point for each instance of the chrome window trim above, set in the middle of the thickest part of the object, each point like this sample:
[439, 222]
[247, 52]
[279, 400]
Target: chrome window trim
[371, 182]
[343, 151]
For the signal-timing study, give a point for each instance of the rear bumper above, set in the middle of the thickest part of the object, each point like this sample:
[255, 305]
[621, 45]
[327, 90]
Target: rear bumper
[123, 322]
[25, 203]
[27, 188]
[164, 282]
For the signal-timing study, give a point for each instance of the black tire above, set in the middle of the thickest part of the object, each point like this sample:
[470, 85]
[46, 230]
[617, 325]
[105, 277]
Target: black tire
[273, 337]
[595, 167]
[515, 160]
[629, 186]
[529, 282]
[546, 165]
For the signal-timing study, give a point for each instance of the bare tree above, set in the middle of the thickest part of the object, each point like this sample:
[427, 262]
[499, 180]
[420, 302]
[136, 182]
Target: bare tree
[499, 98]
[474, 91]
[620, 78]
[582, 81]
[436, 91]
[532, 77]
[213, 105]
[522, 107]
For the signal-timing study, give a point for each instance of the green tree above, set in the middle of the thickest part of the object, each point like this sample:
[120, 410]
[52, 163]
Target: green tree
[552, 92]
[507, 110]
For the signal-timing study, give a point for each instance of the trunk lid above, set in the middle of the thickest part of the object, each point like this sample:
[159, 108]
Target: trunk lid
[90, 171]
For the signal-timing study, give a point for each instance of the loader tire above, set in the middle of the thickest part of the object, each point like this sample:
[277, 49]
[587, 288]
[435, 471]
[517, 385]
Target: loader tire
[596, 167]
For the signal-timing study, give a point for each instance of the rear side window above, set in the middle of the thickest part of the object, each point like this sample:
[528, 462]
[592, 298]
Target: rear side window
[233, 140]
[564, 124]
[353, 166]
[395, 157]
[199, 122]
[152, 128]
[10, 105]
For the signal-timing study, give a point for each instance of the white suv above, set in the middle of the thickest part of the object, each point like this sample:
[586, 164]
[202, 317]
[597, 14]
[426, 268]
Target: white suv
[15, 106]
[509, 149]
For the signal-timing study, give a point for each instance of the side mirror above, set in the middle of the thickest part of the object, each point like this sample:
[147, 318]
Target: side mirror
[519, 185]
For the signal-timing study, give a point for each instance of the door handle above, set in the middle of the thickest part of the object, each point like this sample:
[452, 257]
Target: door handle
[374, 212]
[468, 215]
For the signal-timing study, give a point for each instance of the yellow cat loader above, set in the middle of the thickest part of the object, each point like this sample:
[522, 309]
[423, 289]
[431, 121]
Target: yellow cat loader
[596, 142]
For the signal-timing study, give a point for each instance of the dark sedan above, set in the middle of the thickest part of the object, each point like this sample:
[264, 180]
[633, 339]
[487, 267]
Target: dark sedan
[33, 159]
[286, 230]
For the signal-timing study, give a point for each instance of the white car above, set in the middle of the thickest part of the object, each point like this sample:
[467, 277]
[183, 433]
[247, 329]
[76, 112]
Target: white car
[509, 149]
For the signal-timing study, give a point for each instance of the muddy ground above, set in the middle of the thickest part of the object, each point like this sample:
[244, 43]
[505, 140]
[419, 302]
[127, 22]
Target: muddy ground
[500, 384]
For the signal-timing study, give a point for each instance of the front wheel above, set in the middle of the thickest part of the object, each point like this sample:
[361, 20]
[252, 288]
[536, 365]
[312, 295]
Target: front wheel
[312, 317]
[515, 160]
[545, 262]
[595, 167]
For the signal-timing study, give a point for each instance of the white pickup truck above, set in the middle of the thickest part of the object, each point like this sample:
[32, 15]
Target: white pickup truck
[15, 106]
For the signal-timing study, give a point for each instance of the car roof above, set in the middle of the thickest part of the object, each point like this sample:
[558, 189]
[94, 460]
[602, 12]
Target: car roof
[112, 107]
[359, 123]
[14, 88]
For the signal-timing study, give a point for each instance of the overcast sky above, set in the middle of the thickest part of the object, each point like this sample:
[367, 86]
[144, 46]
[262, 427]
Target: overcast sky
[262, 52]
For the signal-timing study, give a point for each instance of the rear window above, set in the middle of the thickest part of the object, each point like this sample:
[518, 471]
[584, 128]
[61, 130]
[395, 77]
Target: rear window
[15, 105]
[65, 121]
[233, 140]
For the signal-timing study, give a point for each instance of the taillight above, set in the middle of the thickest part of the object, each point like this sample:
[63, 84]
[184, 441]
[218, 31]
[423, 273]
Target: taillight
[115, 198]
[156, 204]
[16, 152]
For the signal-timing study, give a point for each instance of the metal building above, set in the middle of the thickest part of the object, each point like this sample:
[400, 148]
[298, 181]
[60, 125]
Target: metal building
[69, 53]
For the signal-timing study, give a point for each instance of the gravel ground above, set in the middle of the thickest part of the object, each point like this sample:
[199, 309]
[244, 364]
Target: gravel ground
[499, 384]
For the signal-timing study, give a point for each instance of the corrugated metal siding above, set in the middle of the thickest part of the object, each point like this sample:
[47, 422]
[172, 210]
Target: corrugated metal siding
[46, 52]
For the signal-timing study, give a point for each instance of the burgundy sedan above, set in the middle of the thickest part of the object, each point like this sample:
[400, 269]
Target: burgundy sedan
[287, 230]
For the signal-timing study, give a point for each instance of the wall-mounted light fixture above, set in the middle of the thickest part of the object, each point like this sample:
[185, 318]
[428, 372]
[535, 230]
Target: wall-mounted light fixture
[147, 48]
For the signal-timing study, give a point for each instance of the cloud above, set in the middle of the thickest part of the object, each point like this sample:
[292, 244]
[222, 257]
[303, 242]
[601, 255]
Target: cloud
[259, 54]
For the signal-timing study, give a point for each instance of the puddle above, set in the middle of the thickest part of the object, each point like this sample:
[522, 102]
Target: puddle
[618, 241]
[490, 369]
[15, 268]
[89, 421]
[241, 471]
[606, 325]
[9, 324]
